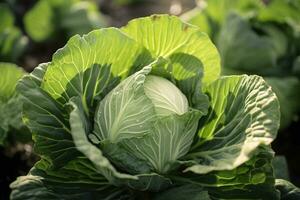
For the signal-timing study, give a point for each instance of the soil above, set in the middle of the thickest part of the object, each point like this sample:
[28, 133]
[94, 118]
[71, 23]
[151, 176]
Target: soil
[287, 144]
[16, 160]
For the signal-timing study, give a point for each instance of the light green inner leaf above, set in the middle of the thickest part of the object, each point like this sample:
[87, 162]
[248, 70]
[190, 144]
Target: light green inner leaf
[126, 111]
[165, 96]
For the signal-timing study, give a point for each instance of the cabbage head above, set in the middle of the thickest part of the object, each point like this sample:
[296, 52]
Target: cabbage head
[141, 112]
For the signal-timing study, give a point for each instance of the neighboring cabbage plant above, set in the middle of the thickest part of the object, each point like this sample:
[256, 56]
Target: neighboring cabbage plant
[10, 103]
[12, 41]
[49, 19]
[257, 38]
[142, 113]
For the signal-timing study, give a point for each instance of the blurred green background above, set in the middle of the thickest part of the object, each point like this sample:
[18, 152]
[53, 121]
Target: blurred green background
[252, 36]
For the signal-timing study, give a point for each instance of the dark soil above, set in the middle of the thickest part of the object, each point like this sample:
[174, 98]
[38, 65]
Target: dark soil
[287, 144]
[16, 160]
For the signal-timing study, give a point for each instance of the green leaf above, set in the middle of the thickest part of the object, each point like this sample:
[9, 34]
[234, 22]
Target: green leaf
[252, 180]
[152, 182]
[244, 115]
[79, 179]
[126, 111]
[198, 17]
[79, 129]
[117, 120]
[191, 192]
[169, 139]
[287, 190]
[142, 133]
[165, 96]
[168, 37]
[47, 119]
[88, 66]
[103, 153]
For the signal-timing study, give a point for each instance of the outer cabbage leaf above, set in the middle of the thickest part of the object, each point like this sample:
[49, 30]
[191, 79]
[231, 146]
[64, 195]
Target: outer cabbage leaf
[287, 190]
[80, 126]
[88, 66]
[286, 90]
[79, 179]
[244, 115]
[46, 119]
[252, 180]
[49, 122]
[191, 192]
[259, 38]
[190, 51]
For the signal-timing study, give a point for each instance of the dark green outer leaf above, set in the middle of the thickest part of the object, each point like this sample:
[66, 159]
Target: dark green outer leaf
[190, 192]
[244, 115]
[287, 190]
[252, 180]
[47, 120]
[78, 179]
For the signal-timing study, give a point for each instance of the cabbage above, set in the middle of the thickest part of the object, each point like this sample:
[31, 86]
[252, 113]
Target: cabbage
[141, 112]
